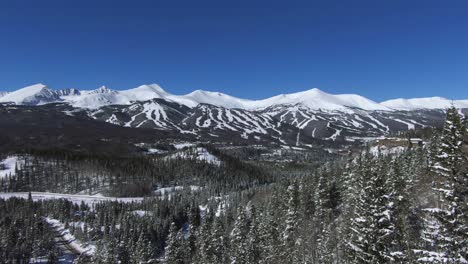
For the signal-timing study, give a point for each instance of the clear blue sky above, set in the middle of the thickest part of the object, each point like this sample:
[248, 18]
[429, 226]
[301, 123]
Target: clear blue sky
[251, 49]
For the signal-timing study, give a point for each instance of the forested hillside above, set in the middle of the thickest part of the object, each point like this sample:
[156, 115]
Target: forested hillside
[202, 203]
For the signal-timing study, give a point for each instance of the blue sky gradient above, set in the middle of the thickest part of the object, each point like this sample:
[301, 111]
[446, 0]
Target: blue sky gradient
[251, 49]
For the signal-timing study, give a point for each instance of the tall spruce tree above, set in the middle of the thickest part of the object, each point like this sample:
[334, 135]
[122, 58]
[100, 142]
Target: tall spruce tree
[174, 251]
[289, 249]
[446, 229]
[371, 227]
[239, 240]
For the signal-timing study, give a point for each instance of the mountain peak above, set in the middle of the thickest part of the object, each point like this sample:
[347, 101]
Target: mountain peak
[314, 90]
[33, 94]
[35, 87]
[150, 88]
[103, 89]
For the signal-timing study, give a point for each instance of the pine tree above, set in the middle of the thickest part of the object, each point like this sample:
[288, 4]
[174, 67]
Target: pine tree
[289, 248]
[123, 254]
[255, 248]
[371, 228]
[239, 239]
[447, 224]
[326, 200]
[204, 246]
[174, 252]
[144, 251]
[218, 242]
[268, 238]
[401, 184]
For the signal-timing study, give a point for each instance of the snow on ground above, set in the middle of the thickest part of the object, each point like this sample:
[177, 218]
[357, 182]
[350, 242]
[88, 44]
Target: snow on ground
[198, 153]
[183, 145]
[410, 125]
[9, 165]
[291, 148]
[69, 241]
[364, 139]
[74, 198]
[156, 151]
[384, 150]
[142, 213]
[168, 190]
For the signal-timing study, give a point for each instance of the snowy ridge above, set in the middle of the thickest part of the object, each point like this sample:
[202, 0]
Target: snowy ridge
[317, 99]
[424, 103]
[314, 99]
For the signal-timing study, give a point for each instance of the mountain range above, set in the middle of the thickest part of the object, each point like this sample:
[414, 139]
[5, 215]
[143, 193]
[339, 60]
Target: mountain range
[293, 119]
[313, 99]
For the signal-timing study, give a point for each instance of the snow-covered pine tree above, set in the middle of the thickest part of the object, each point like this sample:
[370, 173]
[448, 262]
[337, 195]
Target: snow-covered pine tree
[255, 247]
[322, 219]
[289, 249]
[447, 224]
[174, 253]
[194, 224]
[204, 245]
[268, 237]
[239, 239]
[123, 254]
[371, 228]
[218, 243]
[144, 251]
[401, 181]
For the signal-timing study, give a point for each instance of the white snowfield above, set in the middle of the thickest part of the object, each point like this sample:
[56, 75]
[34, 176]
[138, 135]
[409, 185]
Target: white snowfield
[314, 99]
[9, 166]
[167, 191]
[67, 240]
[385, 151]
[74, 198]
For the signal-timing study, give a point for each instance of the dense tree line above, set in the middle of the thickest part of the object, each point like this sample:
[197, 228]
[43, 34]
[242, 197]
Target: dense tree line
[138, 175]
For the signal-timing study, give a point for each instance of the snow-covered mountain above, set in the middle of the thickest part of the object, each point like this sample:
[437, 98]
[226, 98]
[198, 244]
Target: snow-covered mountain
[424, 103]
[297, 118]
[316, 99]
[32, 95]
[313, 99]
[285, 124]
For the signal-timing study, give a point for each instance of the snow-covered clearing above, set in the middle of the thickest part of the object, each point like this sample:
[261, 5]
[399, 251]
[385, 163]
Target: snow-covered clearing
[198, 153]
[168, 190]
[8, 166]
[74, 198]
[183, 145]
[142, 213]
[384, 150]
[68, 241]
[156, 151]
